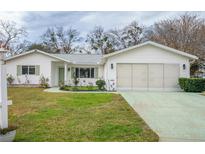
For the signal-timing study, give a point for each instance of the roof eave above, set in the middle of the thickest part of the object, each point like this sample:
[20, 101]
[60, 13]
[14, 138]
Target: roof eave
[154, 44]
[39, 51]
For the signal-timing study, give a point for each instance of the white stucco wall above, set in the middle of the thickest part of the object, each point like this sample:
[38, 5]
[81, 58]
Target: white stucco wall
[49, 66]
[83, 81]
[145, 54]
[30, 59]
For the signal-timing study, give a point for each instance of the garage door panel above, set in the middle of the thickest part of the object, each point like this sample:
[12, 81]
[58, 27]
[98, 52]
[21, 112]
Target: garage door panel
[147, 76]
[155, 79]
[139, 76]
[124, 76]
[171, 75]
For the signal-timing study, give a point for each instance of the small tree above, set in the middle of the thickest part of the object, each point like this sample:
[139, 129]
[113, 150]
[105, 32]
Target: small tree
[27, 81]
[44, 82]
[75, 80]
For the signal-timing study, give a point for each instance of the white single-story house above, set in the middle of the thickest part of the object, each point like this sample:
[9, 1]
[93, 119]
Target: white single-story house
[147, 66]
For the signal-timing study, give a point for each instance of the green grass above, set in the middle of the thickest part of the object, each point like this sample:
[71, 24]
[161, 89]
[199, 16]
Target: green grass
[42, 116]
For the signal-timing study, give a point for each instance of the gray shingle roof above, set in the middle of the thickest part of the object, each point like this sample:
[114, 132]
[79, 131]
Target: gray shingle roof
[80, 58]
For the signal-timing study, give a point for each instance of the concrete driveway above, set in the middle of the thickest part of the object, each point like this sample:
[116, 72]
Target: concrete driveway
[174, 116]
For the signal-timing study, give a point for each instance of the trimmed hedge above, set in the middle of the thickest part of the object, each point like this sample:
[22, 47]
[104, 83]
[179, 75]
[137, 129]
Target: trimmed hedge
[79, 88]
[192, 84]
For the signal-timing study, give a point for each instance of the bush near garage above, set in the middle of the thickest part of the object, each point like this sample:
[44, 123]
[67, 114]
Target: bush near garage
[101, 84]
[192, 84]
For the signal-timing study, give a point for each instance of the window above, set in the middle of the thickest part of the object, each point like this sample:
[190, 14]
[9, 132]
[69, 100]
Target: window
[92, 72]
[30, 70]
[77, 72]
[85, 72]
[24, 70]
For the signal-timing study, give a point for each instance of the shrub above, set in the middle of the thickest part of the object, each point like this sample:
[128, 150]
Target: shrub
[27, 81]
[61, 84]
[79, 88]
[10, 79]
[90, 88]
[6, 130]
[44, 82]
[101, 84]
[75, 88]
[66, 87]
[75, 80]
[192, 84]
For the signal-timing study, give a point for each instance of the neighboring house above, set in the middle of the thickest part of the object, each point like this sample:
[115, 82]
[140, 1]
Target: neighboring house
[202, 69]
[147, 66]
[201, 72]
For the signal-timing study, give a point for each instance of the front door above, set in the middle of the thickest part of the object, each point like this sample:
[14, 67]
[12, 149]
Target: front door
[61, 75]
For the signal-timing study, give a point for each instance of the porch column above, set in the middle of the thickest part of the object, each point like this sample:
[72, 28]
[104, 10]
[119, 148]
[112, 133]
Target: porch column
[65, 73]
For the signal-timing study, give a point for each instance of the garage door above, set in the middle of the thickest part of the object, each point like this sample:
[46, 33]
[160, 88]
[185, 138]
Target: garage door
[124, 74]
[155, 76]
[139, 76]
[171, 75]
[147, 76]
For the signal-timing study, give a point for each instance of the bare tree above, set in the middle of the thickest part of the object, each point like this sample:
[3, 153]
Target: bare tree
[99, 41]
[185, 33]
[58, 39]
[50, 40]
[130, 35]
[21, 46]
[115, 39]
[10, 32]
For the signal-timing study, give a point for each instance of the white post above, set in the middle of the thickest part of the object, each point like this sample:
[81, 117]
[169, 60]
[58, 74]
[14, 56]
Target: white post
[65, 73]
[3, 93]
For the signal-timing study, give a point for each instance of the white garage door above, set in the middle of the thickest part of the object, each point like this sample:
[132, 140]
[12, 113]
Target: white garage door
[139, 76]
[125, 76]
[171, 75]
[147, 76]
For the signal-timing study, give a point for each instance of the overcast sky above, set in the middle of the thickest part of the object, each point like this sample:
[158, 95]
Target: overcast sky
[37, 22]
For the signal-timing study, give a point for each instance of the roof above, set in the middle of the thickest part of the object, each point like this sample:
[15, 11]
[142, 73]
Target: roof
[38, 51]
[94, 59]
[70, 58]
[81, 58]
[154, 44]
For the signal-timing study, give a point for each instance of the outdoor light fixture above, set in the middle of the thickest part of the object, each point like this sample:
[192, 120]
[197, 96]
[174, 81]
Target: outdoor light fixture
[111, 66]
[184, 66]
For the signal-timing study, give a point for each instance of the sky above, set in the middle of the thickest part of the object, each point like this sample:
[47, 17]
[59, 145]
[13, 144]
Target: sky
[36, 23]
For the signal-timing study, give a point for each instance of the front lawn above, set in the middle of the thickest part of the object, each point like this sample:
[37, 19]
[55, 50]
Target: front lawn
[42, 116]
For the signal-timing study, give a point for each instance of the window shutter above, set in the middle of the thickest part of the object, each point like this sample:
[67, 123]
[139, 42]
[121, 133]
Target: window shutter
[37, 69]
[96, 72]
[19, 70]
[72, 72]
